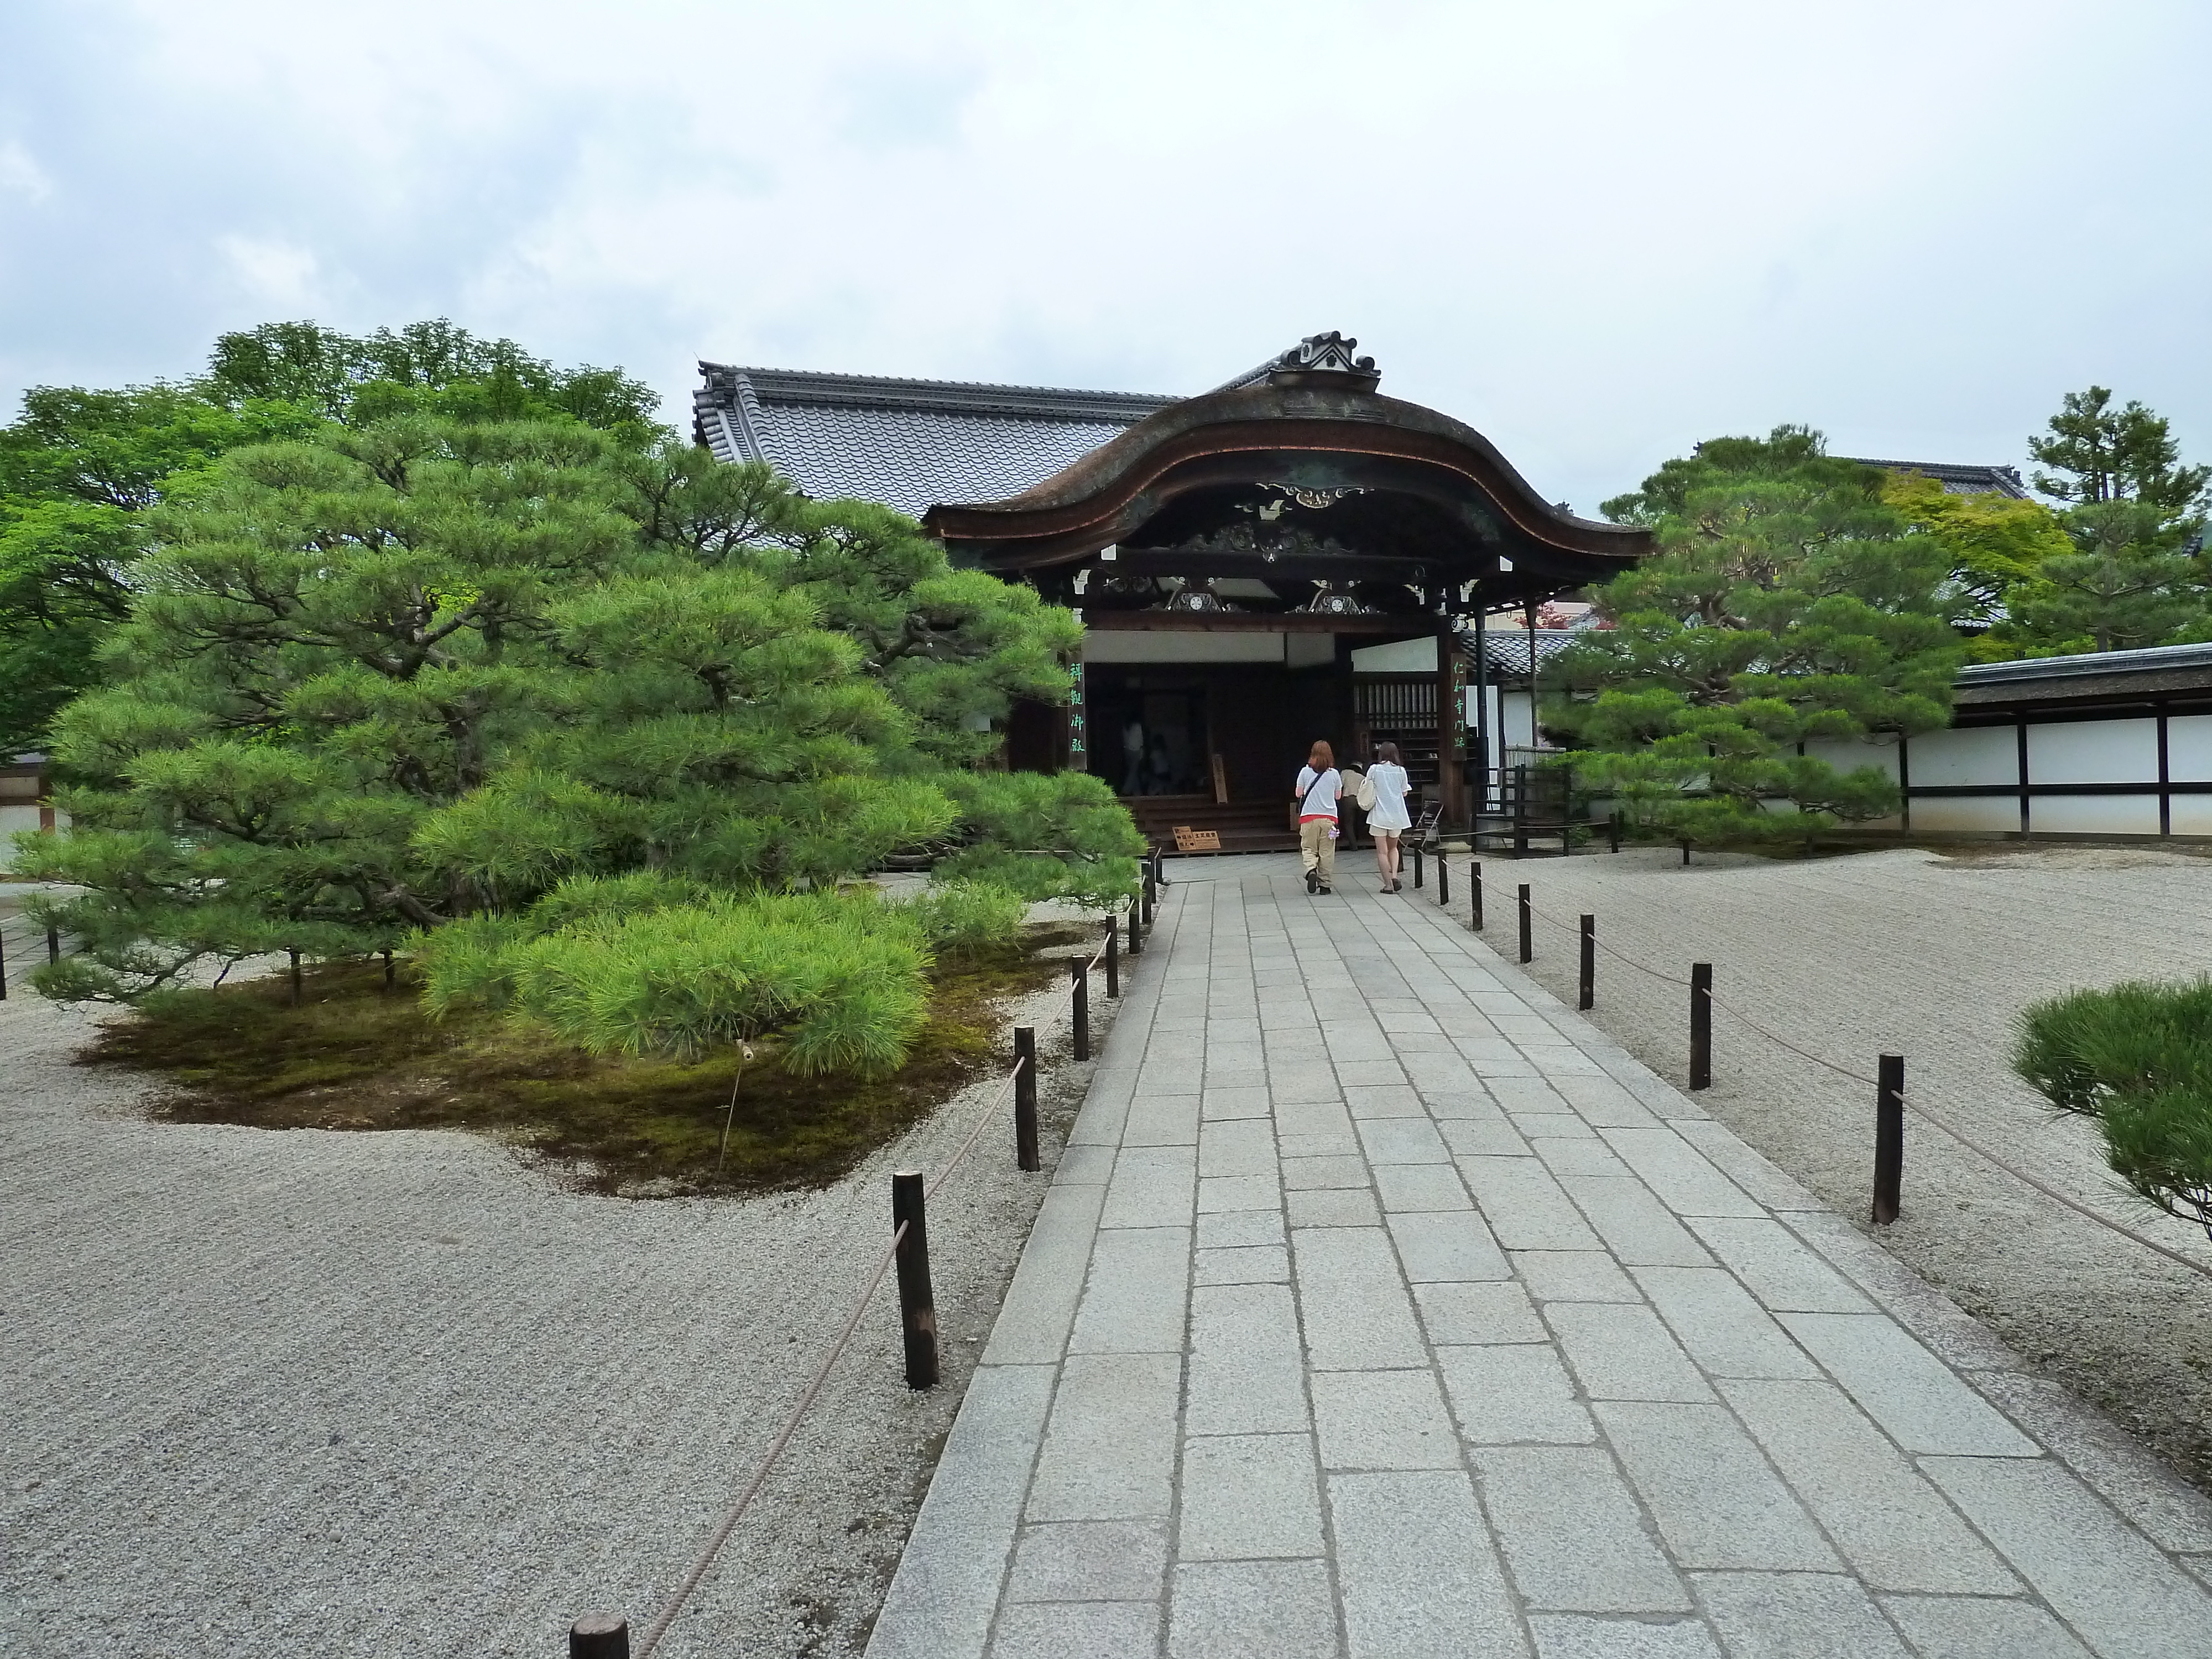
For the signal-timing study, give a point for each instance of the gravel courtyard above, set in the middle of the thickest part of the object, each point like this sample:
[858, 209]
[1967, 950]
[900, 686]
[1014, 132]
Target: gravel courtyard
[1929, 956]
[366, 1395]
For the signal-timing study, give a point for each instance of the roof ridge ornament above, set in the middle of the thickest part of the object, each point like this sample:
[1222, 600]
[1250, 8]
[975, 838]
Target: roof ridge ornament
[1325, 360]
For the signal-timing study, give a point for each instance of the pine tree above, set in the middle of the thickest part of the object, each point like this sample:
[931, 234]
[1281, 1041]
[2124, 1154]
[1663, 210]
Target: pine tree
[78, 468]
[2135, 575]
[522, 695]
[1789, 604]
[2126, 454]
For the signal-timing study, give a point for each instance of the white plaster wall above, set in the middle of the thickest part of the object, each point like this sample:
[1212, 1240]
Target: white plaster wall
[16, 820]
[1162, 646]
[1850, 754]
[2093, 751]
[1963, 814]
[1400, 656]
[2093, 815]
[1986, 754]
[2193, 815]
[1309, 650]
[2188, 749]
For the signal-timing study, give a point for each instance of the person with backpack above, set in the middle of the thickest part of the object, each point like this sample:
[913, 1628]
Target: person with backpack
[1382, 797]
[1320, 787]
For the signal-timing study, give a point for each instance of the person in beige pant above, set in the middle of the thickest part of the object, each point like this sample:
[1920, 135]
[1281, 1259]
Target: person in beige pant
[1320, 787]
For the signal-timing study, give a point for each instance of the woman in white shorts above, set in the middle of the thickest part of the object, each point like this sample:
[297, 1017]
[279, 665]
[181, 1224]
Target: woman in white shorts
[1387, 819]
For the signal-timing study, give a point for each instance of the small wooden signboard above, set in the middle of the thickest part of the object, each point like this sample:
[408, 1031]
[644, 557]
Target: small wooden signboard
[1188, 840]
[1425, 827]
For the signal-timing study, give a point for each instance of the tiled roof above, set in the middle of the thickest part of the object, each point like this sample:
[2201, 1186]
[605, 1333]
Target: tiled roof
[1956, 480]
[907, 444]
[2145, 659]
[1507, 648]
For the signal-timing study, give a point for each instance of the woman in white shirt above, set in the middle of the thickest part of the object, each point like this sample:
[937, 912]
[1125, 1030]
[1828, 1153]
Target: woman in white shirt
[1319, 784]
[1386, 820]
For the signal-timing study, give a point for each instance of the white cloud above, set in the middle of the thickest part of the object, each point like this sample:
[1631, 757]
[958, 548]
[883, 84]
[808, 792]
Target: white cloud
[22, 175]
[1599, 232]
[274, 271]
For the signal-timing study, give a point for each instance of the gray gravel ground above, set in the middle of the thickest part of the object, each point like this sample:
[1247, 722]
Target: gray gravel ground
[1931, 956]
[317, 1393]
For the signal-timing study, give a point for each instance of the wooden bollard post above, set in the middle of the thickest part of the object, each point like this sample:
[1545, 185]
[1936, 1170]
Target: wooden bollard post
[1146, 896]
[1474, 879]
[1888, 1138]
[1080, 1006]
[390, 973]
[1527, 926]
[297, 992]
[1613, 832]
[53, 944]
[1701, 1025]
[1417, 866]
[599, 1636]
[3, 970]
[1589, 964]
[1113, 959]
[1025, 1124]
[1136, 937]
[917, 1302]
[1444, 881]
[1685, 854]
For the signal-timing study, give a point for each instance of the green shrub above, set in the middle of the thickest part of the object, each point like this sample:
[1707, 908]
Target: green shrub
[839, 980]
[969, 919]
[2138, 1059]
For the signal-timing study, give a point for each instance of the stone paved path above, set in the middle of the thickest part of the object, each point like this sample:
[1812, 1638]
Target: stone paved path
[1382, 1306]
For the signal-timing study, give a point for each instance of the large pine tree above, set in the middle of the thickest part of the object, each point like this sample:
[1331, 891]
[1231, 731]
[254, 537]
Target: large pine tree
[2135, 575]
[79, 468]
[1788, 606]
[519, 694]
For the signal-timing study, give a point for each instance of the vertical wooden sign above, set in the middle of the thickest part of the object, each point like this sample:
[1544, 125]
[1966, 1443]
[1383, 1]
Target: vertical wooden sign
[1078, 731]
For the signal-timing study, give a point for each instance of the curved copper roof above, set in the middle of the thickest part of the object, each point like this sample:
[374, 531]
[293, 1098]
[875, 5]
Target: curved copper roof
[1317, 430]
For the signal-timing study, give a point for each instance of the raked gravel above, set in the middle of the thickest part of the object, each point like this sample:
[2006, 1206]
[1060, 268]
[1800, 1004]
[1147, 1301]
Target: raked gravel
[1931, 955]
[307, 1391]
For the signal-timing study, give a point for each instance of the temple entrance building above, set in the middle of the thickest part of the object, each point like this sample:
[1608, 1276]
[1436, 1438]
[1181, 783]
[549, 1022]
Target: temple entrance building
[1292, 556]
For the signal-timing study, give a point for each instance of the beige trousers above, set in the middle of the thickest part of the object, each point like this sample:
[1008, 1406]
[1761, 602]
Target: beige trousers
[1317, 848]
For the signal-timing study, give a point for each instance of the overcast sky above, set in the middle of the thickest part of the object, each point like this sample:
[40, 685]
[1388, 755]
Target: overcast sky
[1597, 232]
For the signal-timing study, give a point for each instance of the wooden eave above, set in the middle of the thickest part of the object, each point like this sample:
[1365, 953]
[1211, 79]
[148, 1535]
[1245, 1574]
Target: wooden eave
[1274, 434]
[1398, 626]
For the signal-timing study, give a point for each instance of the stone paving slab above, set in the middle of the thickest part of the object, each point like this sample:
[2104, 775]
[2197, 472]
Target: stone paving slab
[1392, 1310]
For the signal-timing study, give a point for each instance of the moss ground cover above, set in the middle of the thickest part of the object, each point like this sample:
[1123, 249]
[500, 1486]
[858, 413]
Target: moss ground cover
[356, 1056]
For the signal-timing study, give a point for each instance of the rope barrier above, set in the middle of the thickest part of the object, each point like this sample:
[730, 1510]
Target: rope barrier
[1918, 1110]
[705, 1560]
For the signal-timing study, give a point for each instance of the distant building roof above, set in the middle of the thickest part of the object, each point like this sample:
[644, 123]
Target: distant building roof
[1507, 649]
[2150, 671]
[1956, 480]
[907, 444]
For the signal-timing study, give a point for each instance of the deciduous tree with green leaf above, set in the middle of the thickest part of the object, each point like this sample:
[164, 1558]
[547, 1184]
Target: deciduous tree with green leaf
[1789, 605]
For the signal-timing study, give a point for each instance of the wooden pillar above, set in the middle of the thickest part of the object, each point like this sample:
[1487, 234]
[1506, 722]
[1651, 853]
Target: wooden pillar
[1479, 728]
[1451, 783]
[1346, 738]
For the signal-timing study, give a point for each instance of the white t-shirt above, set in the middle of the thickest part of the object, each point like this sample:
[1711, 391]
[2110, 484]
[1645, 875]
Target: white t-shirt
[1319, 791]
[1390, 783]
